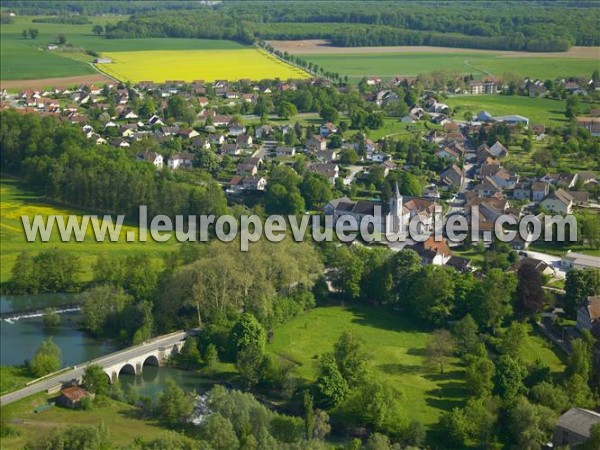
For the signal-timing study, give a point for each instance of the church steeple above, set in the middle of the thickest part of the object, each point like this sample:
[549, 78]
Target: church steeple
[395, 205]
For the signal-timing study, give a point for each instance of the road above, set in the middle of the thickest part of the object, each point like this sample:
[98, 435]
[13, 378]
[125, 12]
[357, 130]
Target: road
[353, 171]
[77, 371]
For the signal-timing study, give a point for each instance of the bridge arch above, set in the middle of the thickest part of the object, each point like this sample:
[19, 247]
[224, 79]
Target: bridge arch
[128, 369]
[151, 360]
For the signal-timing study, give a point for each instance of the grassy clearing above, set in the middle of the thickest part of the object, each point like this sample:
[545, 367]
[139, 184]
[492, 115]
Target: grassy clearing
[538, 110]
[388, 65]
[537, 347]
[395, 343]
[15, 202]
[13, 378]
[121, 420]
[192, 65]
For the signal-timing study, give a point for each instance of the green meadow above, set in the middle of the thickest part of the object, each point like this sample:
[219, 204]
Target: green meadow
[23, 59]
[396, 345]
[538, 110]
[388, 65]
[16, 202]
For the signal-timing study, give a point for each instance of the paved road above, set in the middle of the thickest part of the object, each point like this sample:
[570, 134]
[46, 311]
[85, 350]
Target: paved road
[108, 360]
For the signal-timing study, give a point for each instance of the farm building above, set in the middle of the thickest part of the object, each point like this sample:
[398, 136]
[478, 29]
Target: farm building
[71, 397]
[102, 61]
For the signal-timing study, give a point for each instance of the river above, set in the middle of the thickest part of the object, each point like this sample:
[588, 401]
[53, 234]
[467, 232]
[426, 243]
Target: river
[20, 337]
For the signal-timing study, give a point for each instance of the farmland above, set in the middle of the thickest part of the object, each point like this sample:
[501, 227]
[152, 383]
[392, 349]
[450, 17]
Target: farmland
[185, 59]
[191, 65]
[16, 202]
[387, 62]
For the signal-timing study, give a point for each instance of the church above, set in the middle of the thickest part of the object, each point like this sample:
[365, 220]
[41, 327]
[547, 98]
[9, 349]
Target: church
[393, 218]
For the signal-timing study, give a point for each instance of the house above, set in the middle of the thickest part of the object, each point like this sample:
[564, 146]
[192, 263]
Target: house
[498, 150]
[574, 427]
[216, 139]
[592, 124]
[230, 149]
[188, 133]
[329, 171]
[432, 252]
[151, 157]
[155, 120]
[452, 176]
[235, 129]
[574, 260]
[459, 263]
[565, 179]
[316, 143]
[244, 140]
[560, 202]
[200, 142]
[580, 198]
[448, 153]
[539, 191]
[246, 169]
[71, 397]
[475, 87]
[203, 101]
[540, 266]
[128, 114]
[487, 188]
[373, 81]
[181, 160]
[263, 131]
[254, 183]
[588, 315]
[327, 128]
[285, 151]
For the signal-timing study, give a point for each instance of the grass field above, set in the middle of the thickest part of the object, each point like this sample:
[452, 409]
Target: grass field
[16, 202]
[388, 65]
[120, 419]
[192, 65]
[397, 345]
[538, 110]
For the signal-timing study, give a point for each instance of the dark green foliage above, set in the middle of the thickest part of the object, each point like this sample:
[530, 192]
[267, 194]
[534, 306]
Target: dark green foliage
[47, 359]
[95, 380]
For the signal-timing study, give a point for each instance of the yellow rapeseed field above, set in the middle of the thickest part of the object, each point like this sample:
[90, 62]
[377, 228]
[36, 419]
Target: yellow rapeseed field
[189, 65]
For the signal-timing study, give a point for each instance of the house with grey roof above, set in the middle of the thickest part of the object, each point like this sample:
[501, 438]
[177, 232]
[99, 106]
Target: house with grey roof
[573, 427]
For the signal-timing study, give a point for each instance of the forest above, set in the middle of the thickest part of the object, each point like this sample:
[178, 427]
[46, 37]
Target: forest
[532, 26]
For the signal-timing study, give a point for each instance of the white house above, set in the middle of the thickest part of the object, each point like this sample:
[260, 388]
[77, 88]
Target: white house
[181, 160]
[152, 157]
[560, 202]
[285, 151]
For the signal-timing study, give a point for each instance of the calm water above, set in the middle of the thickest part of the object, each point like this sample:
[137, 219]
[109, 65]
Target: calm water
[153, 379]
[19, 339]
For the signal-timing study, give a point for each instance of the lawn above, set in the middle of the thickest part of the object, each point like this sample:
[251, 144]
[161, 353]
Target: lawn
[15, 202]
[538, 110]
[388, 65]
[396, 344]
[121, 420]
[192, 65]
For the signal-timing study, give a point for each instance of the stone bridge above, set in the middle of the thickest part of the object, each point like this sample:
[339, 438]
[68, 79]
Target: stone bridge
[130, 360]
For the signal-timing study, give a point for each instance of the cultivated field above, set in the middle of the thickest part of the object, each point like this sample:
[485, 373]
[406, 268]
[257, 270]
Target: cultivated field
[23, 60]
[16, 202]
[387, 62]
[208, 65]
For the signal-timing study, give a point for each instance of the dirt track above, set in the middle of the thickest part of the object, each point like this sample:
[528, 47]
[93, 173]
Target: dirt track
[61, 82]
[316, 46]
